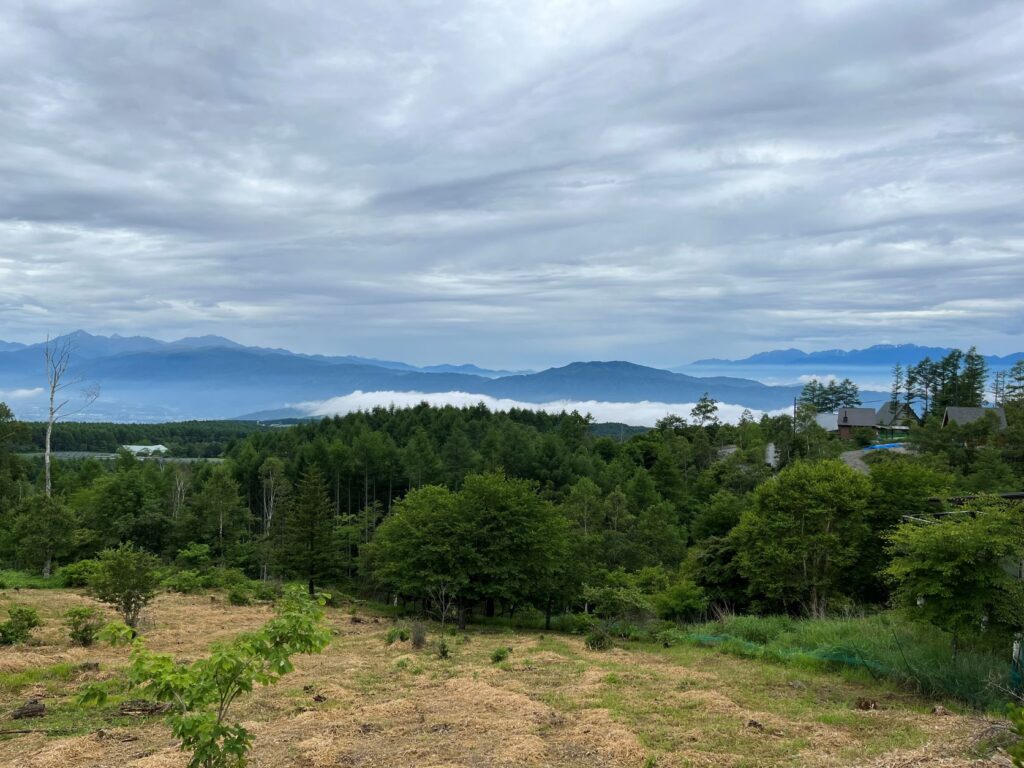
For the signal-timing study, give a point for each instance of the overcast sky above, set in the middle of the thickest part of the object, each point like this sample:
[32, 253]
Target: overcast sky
[515, 184]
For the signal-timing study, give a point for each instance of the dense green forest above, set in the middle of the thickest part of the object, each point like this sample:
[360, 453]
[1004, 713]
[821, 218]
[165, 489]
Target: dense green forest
[511, 511]
[522, 511]
[203, 439]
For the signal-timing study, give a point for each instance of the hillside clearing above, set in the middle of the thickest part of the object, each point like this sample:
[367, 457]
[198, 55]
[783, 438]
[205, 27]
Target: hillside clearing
[363, 703]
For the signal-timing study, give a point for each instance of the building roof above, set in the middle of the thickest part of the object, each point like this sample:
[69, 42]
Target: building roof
[887, 416]
[146, 448]
[960, 415]
[856, 417]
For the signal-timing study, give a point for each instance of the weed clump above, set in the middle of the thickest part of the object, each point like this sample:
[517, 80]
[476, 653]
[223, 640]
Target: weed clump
[18, 628]
[184, 582]
[397, 635]
[443, 651]
[599, 639]
[239, 595]
[419, 635]
[499, 655]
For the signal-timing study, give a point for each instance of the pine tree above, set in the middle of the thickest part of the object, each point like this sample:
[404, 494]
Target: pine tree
[1015, 383]
[897, 387]
[305, 543]
[999, 388]
[910, 384]
[973, 379]
[847, 394]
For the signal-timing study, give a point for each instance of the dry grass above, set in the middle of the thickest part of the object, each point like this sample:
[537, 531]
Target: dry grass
[553, 703]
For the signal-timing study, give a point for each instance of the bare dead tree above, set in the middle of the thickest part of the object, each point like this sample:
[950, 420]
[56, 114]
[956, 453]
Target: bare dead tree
[275, 488]
[182, 477]
[57, 354]
[443, 597]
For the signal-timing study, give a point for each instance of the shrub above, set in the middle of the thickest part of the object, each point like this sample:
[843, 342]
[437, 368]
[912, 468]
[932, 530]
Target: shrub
[266, 591]
[185, 582]
[419, 634]
[578, 623]
[84, 624]
[443, 651]
[223, 578]
[194, 557]
[126, 578]
[863, 436]
[681, 601]
[599, 639]
[78, 574]
[1016, 715]
[18, 627]
[397, 635]
[499, 655]
[202, 692]
[239, 596]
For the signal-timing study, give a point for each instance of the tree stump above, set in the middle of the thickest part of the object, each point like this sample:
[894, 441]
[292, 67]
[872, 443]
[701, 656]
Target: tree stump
[31, 708]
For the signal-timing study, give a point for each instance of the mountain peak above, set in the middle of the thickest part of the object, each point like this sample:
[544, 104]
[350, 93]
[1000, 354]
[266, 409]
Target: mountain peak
[875, 355]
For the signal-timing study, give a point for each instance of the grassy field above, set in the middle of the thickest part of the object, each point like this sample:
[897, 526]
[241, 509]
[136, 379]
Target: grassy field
[552, 703]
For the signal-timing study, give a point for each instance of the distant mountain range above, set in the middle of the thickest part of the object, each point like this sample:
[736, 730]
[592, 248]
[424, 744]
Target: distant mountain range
[877, 355]
[144, 379]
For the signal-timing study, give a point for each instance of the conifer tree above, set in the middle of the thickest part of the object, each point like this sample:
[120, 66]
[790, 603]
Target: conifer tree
[305, 544]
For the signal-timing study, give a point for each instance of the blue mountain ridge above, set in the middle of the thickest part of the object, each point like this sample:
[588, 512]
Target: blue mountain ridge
[212, 377]
[877, 355]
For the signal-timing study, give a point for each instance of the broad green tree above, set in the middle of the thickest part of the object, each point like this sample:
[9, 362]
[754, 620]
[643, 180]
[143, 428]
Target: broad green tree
[959, 573]
[803, 531]
[495, 540]
[705, 411]
[218, 514]
[42, 531]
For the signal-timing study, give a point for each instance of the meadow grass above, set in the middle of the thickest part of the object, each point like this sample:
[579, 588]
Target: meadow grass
[551, 701]
[22, 580]
[879, 647]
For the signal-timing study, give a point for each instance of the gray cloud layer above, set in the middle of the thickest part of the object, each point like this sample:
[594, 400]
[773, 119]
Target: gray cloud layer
[515, 183]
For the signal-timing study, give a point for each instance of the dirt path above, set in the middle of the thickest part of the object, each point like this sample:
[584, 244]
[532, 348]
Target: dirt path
[855, 460]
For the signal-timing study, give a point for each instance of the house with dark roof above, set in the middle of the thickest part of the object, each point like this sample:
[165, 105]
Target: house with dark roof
[854, 418]
[902, 415]
[960, 416]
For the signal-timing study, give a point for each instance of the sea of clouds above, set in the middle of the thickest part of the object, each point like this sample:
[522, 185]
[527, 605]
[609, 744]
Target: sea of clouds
[642, 414]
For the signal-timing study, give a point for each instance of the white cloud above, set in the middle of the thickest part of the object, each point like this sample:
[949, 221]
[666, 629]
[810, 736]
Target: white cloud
[20, 394]
[644, 413]
[648, 179]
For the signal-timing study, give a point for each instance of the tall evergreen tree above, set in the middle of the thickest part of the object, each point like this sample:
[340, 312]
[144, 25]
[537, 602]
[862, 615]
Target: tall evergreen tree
[1015, 383]
[305, 546]
[897, 386]
[973, 379]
